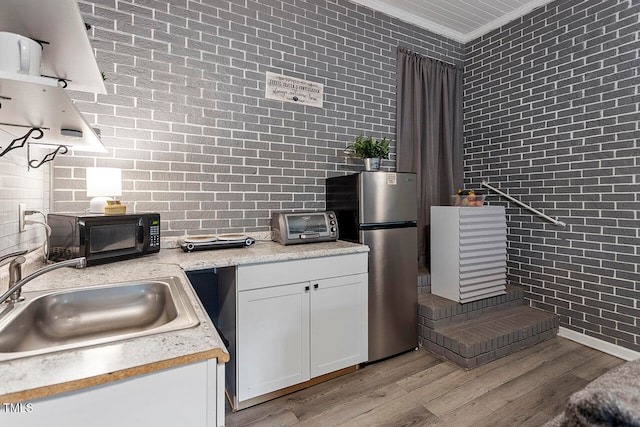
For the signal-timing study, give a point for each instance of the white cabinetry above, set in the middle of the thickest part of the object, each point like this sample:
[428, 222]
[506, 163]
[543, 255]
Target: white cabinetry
[188, 395]
[298, 320]
[468, 252]
[338, 323]
[273, 339]
[38, 101]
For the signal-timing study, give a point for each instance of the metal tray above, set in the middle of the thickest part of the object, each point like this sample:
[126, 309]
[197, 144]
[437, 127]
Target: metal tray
[205, 243]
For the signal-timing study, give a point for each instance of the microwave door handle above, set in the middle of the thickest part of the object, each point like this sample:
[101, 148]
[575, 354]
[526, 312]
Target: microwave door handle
[140, 233]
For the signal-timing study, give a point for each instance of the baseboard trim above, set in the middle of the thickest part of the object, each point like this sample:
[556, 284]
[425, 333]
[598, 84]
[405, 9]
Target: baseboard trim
[598, 344]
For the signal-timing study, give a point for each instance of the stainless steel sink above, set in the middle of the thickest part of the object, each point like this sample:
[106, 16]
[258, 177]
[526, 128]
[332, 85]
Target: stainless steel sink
[80, 317]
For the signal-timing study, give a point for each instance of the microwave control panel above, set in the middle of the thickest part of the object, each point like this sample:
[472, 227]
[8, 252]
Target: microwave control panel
[154, 233]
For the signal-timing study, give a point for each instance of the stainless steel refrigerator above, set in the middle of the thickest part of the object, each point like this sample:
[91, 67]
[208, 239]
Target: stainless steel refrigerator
[379, 209]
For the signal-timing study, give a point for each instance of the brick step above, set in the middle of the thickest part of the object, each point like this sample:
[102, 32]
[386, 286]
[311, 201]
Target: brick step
[490, 335]
[435, 311]
[424, 280]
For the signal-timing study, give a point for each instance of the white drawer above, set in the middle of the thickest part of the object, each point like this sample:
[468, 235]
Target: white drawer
[255, 276]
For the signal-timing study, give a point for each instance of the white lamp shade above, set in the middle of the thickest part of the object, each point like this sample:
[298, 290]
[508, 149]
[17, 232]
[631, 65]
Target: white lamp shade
[104, 182]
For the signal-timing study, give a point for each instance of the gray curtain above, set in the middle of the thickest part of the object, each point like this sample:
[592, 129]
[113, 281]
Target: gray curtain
[429, 130]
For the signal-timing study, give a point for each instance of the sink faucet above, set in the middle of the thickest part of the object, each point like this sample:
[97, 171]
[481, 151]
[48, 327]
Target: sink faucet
[16, 282]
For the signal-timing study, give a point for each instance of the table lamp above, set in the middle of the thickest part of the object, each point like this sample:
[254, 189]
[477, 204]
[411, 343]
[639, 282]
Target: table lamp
[103, 184]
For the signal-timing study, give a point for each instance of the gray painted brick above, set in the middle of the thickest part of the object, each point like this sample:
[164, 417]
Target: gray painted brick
[584, 135]
[550, 113]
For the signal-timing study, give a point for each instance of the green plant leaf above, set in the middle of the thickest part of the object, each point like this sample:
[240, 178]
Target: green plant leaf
[367, 147]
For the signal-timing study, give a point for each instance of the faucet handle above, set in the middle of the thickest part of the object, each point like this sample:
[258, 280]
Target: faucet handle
[15, 275]
[15, 269]
[17, 262]
[5, 257]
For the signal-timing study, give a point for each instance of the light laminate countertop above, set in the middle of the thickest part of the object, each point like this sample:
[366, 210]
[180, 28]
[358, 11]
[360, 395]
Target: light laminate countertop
[28, 378]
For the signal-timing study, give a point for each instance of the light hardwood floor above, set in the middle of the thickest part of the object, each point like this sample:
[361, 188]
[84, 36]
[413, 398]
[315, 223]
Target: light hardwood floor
[527, 388]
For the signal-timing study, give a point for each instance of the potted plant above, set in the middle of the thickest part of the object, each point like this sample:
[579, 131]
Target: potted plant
[370, 150]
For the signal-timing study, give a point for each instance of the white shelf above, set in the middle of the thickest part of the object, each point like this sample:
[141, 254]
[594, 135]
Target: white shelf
[40, 101]
[29, 105]
[24, 78]
[67, 53]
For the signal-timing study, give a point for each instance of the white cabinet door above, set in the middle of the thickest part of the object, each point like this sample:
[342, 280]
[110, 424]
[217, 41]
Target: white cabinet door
[181, 396]
[273, 339]
[338, 323]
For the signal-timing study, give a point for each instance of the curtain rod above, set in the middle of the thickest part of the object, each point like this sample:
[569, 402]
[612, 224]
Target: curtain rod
[518, 202]
[428, 57]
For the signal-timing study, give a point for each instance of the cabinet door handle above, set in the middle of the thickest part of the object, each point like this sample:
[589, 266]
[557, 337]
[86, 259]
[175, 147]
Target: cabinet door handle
[315, 286]
[306, 288]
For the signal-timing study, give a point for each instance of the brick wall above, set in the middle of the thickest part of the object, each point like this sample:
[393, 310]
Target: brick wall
[552, 117]
[187, 121]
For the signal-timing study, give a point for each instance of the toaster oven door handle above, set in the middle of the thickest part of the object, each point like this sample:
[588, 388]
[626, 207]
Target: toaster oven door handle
[309, 235]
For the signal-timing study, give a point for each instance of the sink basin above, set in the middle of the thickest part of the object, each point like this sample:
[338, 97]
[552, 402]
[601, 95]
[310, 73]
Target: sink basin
[80, 317]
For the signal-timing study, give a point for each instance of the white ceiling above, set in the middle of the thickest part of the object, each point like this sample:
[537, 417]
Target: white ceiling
[461, 20]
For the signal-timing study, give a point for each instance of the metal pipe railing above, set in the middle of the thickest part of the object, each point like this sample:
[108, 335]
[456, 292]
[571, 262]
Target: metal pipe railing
[518, 202]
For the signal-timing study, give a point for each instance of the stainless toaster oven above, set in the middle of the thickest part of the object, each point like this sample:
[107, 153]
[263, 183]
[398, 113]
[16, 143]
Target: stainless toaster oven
[290, 228]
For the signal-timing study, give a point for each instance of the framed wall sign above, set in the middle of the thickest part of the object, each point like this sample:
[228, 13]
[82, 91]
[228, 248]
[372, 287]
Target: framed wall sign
[291, 89]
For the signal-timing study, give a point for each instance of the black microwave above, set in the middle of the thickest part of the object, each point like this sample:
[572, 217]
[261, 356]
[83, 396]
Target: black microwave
[102, 238]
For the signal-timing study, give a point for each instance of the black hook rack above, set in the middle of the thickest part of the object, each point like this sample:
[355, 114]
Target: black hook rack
[4, 98]
[62, 149]
[19, 142]
[62, 82]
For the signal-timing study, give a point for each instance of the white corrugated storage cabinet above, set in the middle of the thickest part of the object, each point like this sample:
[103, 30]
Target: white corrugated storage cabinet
[468, 252]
